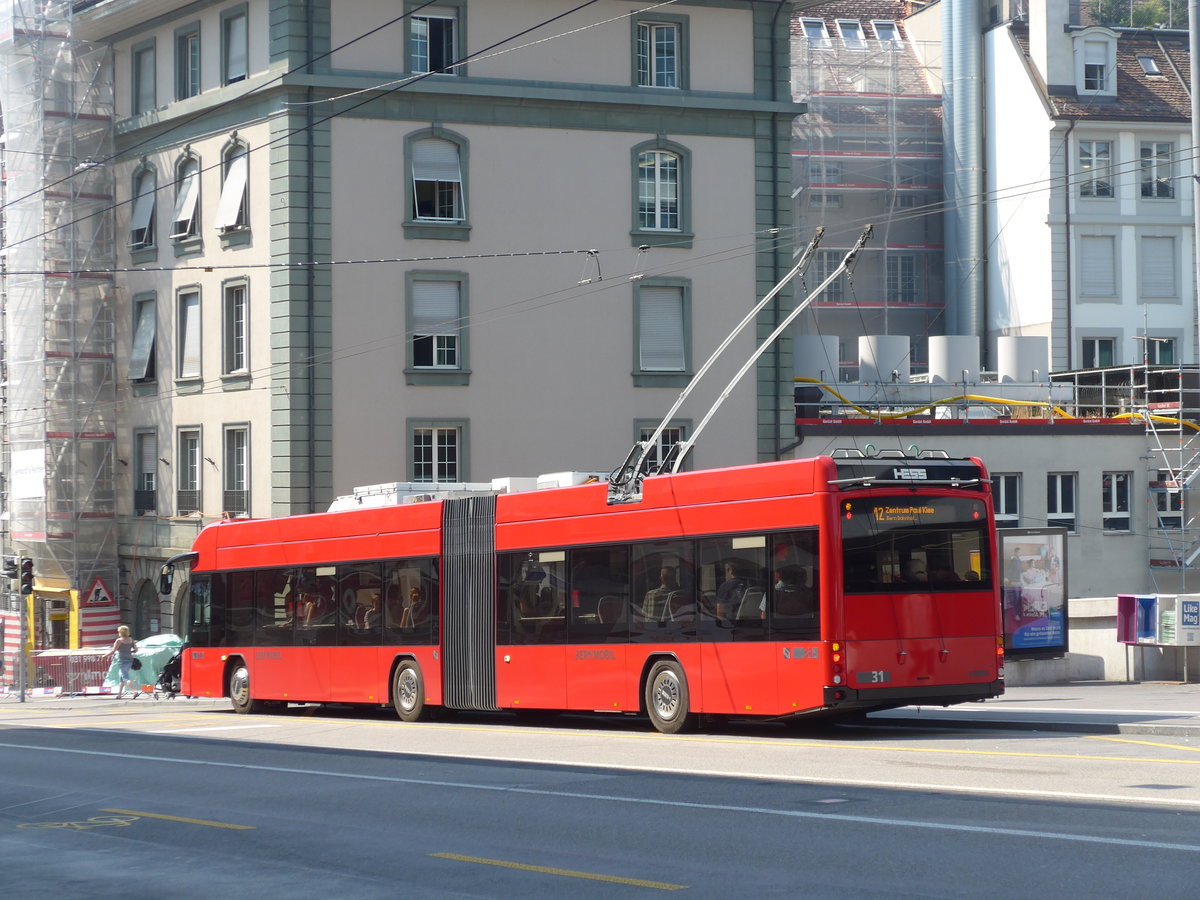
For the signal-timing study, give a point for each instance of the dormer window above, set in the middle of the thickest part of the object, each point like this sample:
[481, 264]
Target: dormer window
[852, 34]
[1096, 62]
[817, 34]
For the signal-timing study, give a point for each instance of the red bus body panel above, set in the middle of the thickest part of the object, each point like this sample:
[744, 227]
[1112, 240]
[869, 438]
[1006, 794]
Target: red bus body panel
[913, 640]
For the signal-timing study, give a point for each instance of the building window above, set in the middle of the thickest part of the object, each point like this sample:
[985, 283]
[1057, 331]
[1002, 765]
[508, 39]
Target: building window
[1160, 351]
[437, 181]
[1097, 265]
[658, 54]
[887, 33]
[187, 62]
[852, 34]
[145, 325]
[902, 278]
[1095, 67]
[823, 265]
[235, 46]
[1149, 66]
[824, 200]
[436, 324]
[671, 436]
[658, 190]
[236, 495]
[1159, 268]
[432, 46]
[1114, 501]
[824, 173]
[1006, 497]
[141, 224]
[1099, 352]
[232, 209]
[143, 78]
[1156, 169]
[1060, 500]
[187, 473]
[189, 333]
[145, 453]
[817, 34]
[436, 454]
[662, 319]
[1168, 499]
[185, 223]
[235, 312]
[1095, 169]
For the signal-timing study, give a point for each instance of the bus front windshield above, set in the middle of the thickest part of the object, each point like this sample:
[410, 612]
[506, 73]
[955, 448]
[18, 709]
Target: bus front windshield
[907, 542]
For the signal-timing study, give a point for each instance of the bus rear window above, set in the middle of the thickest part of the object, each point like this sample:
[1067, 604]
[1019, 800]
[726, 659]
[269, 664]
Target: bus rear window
[894, 544]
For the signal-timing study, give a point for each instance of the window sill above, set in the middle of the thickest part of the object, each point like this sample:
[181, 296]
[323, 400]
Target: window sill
[235, 237]
[437, 231]
[188, 246]
[680, 239]
[189, 384]
[235, 381]
[144, 388]
[143, 255]
[661, 379]
[437, 377]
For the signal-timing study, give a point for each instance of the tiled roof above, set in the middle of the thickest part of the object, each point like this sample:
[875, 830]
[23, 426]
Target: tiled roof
[1140, 97]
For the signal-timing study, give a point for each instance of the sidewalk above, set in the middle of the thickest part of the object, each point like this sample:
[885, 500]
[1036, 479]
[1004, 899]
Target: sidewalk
[1084, 706]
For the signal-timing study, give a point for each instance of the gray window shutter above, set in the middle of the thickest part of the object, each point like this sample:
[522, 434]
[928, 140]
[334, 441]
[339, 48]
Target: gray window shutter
[1097, 261]
[435, 160]
[661, 329]
[435, 307]
[1158, 267]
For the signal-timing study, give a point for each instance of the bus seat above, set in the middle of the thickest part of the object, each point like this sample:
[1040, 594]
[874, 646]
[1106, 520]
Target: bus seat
[751, 606]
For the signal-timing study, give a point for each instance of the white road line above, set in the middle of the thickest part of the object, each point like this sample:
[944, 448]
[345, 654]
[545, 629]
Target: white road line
[209, 728]
[643, 801]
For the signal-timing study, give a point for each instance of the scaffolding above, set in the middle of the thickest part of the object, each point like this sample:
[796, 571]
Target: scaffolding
[57, 300]
[869, 149]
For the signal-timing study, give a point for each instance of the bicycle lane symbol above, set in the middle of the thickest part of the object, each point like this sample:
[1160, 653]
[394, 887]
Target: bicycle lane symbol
[93, 822]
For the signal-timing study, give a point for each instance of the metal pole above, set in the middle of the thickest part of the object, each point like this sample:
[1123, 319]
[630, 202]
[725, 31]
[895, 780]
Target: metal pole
[21, 660]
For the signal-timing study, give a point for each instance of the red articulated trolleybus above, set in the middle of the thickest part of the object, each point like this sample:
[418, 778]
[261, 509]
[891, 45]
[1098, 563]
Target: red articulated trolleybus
[819, 586]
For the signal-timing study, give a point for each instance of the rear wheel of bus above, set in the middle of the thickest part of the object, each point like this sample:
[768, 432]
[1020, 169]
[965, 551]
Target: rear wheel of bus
[408, 691]
[667, 698]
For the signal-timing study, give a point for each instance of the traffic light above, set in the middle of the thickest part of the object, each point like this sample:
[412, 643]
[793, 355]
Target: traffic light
[26, 575]
[10, 567]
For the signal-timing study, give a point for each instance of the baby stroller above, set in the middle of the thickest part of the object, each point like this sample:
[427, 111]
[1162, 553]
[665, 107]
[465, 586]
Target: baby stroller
[168, 679]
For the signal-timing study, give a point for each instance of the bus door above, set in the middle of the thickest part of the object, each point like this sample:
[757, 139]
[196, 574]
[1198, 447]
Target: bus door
[740, 672]
[531, 630]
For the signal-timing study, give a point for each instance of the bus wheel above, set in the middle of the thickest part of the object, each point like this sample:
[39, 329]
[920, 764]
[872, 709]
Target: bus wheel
[408, 692]
[667, 698]
[239, 690]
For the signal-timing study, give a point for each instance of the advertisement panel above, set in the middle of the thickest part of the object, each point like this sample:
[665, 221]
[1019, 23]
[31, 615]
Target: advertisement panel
[1033, 592]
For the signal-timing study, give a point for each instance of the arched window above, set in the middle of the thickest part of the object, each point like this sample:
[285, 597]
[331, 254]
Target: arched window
[437, 181]
[141, 225]
[185, 221]
[661, 194]
[233, 210]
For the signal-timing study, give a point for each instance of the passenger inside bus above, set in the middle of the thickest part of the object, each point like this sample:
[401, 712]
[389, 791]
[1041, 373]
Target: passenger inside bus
[656, 605]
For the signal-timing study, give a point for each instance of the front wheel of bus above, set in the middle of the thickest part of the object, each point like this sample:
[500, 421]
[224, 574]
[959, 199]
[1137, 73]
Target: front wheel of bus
[408, 692]
[667, 698]
[239, 690]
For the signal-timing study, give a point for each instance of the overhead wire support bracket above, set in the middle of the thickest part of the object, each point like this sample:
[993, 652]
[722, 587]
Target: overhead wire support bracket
[626, 482]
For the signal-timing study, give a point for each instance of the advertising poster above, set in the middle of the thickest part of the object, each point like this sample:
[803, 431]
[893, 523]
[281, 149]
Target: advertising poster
[1033, 592]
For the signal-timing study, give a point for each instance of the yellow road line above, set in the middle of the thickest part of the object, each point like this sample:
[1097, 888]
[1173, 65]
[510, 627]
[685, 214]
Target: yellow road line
[146, 815]
[1101, 737]
[567, 873]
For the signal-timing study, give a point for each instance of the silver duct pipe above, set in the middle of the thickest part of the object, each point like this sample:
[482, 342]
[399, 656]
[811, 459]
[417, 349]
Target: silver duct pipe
[962, 107]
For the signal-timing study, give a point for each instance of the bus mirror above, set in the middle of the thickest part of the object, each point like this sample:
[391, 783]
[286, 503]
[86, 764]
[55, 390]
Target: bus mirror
[165, 579]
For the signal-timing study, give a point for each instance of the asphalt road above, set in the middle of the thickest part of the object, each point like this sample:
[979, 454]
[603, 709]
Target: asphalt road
[185, 799]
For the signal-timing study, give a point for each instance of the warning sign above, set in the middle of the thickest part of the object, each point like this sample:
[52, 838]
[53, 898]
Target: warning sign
[97, 594]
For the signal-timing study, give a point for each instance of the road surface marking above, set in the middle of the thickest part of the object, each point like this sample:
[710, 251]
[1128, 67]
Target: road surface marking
[210, 824]
[93, 822]
[684, 804]
[1101, 737]
[211, 728]
[568, 873]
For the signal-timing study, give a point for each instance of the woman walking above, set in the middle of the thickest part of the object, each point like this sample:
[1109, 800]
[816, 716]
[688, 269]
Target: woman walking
[124, 647]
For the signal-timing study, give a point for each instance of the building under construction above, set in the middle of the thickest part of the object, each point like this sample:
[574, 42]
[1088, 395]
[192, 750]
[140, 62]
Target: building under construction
[58, 327]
